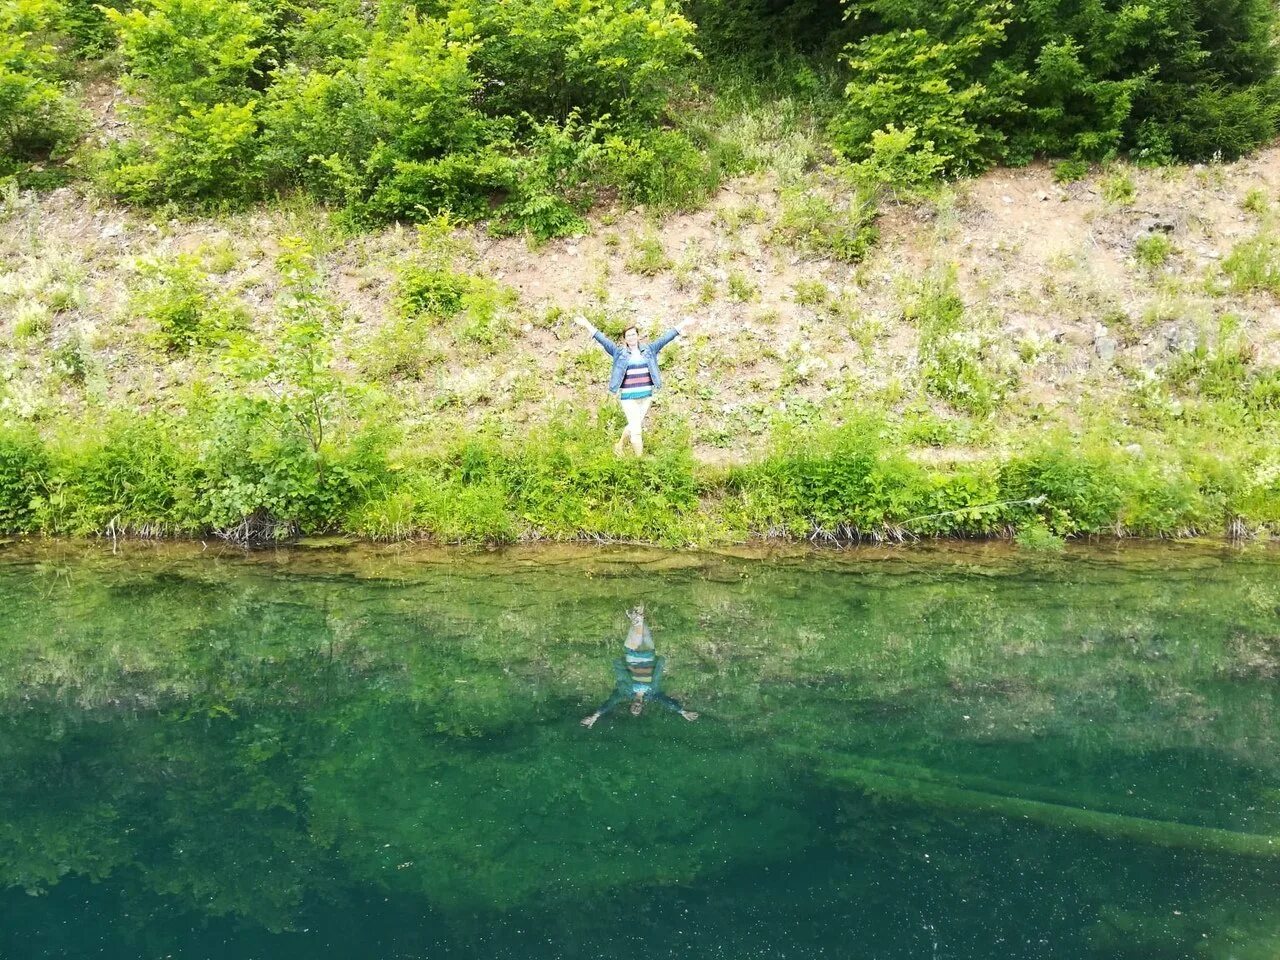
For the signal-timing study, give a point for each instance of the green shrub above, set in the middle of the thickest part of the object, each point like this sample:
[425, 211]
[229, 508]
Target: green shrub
[1162, 498]
[662, 169]
[31, 320]
[464, 184]
[279, 455]
[264, 477]
[1038, 538]
[647, 257]
[195, 67]
[811, 293]
[391, 132]
[183, 53]
[205, 153]
[183, 308]
[985, 81]
[403, 348]
[1118, 187]
[548, 58]
[756, 34]
[131, 474]
[69, 360]
[430, 290]
[899, 161]
[1070, 171]
[24, 469]
[557, 180]
[1263, 395]
[1082, 492]
[38, 120]
[88, 30]
[478, 308]
[842, 483]
[1256, 201]
[942, 82]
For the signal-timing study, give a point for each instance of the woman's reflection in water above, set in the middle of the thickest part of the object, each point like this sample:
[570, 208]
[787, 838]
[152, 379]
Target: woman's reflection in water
[638, 674]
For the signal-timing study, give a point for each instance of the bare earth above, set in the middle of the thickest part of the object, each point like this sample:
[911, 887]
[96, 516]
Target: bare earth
[1049, 270]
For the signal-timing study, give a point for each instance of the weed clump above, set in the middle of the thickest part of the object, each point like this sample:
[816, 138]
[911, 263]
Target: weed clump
[183, 308]
[824, 227]
[954, 352]
[1254, 264]
[1153, 250]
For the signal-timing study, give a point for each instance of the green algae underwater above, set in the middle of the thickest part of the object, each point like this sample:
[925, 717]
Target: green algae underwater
[940, 752]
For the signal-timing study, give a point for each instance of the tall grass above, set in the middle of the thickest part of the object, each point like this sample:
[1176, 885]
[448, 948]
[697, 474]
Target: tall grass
[229, 470]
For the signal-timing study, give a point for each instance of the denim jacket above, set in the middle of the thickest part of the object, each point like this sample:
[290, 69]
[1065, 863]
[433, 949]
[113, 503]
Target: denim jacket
[621, 354]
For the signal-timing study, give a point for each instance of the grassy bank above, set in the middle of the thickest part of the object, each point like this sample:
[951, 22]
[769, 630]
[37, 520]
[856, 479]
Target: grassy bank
[982, 372]
[239, 471]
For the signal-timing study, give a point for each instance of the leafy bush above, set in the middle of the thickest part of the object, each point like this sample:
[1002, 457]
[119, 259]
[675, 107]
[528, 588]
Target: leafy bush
[37, 118]
[1070, 171]
[131, 474]
[843, 482]
[1082, 493]
[183, 53]
[401, 349]
[557, 180]
[547, 58]
[88, 30]
[1037, 537]
[662, 169]
[757, 34]
[647, 257]
[1153, 250]
[985, 81]
[390, 132]
[943, 82]
[195, 67]
[899, 161]
[1118, 187]
[397, 114]
[69, 360]
[278, 455]
[430, 290]
[24, 467]
[431, 293]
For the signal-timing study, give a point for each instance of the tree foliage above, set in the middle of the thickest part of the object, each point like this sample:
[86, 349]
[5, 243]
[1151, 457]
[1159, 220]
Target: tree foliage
[988, 81]
[37, 116]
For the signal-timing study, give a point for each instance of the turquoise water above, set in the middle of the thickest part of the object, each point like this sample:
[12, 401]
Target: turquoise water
[963, 753]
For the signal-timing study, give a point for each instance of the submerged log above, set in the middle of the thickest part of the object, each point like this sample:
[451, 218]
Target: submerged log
[1131, 805]
[926, 790]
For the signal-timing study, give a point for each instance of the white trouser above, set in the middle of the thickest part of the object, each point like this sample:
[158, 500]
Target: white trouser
[635, 411]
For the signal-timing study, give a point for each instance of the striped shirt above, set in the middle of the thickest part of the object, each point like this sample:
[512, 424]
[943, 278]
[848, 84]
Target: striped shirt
[638, 382]
[640, 667]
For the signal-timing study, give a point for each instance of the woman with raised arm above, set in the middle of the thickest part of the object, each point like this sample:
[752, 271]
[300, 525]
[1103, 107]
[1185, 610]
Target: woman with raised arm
[637, 675]
[634, 377]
